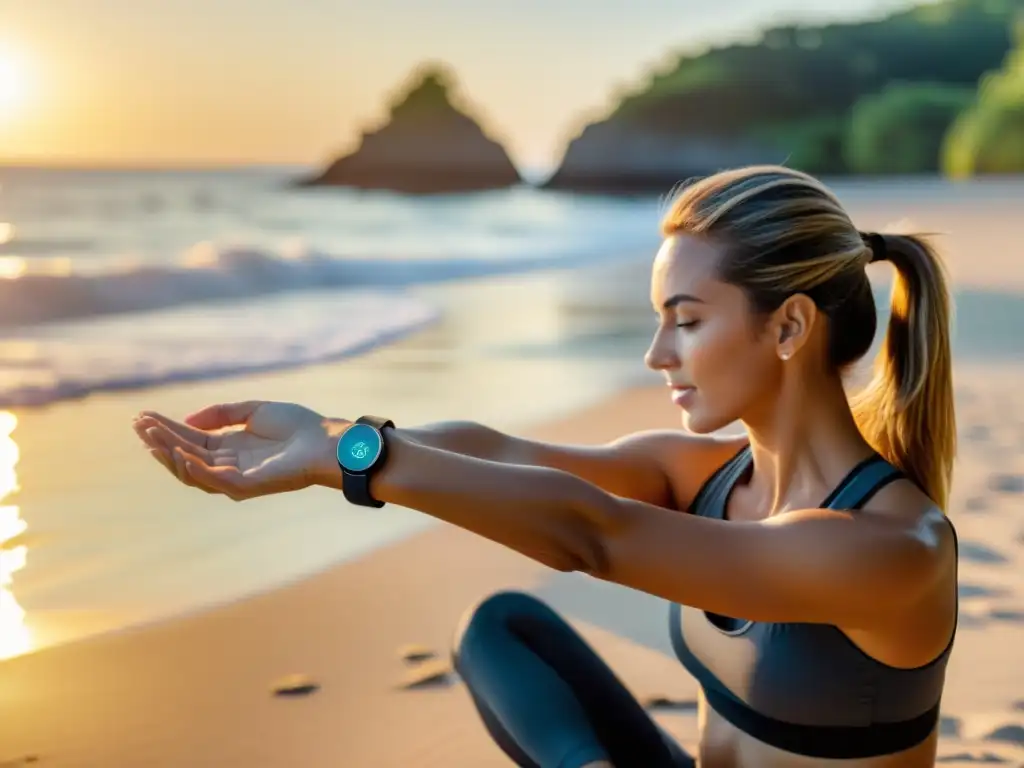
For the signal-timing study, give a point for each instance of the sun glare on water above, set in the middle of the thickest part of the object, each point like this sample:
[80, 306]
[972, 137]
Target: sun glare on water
[14, 635]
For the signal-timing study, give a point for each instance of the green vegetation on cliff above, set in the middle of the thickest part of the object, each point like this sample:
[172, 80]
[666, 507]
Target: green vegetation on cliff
[989, 137]
[865, 97]
[901, 129]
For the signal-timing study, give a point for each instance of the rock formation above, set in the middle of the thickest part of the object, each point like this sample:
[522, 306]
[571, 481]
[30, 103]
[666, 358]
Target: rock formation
[790, 97]
[614, 157]
[428, 145]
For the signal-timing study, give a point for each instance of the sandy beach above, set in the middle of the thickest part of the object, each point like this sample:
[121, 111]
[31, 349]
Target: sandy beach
[172, 668]
[198, 690]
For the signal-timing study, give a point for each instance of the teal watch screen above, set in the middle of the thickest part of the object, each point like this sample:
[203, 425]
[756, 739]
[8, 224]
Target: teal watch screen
[359, 447]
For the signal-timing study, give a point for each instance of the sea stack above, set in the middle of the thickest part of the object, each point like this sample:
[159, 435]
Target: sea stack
[428, 145]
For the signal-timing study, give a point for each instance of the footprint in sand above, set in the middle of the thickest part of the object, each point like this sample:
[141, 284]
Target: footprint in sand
[980, 618]
[1011, 615]
[977, 433]
[977, 552]
[1011, 733]
[659, 703]
[996, 738]
[295, 685]
[976, 608]
[976, 504]
[414, 654]
[433, 673]
[997, 729]
[968, 591]
[964, 758]
[427, 668]
[949, 727]
[1005, 482]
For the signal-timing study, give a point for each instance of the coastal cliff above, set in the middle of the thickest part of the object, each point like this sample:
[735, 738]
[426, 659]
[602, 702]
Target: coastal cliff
[612, 157]
[835, 99]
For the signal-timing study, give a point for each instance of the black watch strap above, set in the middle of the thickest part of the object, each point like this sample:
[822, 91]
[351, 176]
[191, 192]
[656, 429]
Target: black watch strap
[356, 485]
[379, 422]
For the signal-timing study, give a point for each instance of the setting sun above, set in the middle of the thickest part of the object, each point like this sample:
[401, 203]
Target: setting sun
[13, 83]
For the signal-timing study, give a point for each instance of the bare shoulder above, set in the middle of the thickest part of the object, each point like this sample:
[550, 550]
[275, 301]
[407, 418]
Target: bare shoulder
[905, 509]
[687, 460]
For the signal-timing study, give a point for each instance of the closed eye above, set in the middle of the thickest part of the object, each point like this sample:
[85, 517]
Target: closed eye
[688, 324]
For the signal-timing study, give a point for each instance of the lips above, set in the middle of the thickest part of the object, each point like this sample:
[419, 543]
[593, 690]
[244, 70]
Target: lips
[682, 395]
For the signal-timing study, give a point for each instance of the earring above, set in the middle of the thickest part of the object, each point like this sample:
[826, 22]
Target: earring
[784, 355]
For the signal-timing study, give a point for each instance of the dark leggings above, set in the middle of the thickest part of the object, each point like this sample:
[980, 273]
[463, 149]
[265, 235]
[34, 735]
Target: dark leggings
[547, 699]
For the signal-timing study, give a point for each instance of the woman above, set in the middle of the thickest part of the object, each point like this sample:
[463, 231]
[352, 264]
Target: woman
[810, 567]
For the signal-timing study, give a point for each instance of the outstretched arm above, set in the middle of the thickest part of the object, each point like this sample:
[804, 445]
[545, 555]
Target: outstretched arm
[805, 566]
[636, 466]
[812, 565]
[633, 466]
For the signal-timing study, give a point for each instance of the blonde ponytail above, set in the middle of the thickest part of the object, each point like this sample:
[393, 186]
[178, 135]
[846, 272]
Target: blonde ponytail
[907, 410]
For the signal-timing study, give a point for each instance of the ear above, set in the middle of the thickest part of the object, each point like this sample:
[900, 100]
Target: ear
[792, 323]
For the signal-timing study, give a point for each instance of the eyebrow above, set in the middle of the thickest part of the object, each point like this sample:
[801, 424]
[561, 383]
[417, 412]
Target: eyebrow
[679, 298]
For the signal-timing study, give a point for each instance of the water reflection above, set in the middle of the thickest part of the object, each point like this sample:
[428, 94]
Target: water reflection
[14, 635]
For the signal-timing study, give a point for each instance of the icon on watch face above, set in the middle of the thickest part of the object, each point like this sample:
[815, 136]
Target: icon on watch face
[359, 447]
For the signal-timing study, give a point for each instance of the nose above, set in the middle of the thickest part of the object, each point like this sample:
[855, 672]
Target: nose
[662, 354]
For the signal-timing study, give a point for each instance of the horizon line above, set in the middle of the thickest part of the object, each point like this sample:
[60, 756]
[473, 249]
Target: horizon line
[529, 173]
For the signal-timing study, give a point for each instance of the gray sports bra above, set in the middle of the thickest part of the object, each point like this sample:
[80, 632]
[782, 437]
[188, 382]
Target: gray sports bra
[805, 688]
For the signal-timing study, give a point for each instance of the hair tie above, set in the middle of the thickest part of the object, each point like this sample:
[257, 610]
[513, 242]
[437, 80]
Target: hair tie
[876, 243]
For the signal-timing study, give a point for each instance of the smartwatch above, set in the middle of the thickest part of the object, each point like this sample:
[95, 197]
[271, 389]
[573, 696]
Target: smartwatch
[361, 451]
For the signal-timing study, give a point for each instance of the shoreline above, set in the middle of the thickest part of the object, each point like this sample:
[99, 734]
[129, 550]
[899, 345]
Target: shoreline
[118, 571]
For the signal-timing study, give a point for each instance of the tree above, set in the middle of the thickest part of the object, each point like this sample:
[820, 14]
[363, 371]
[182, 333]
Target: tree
[901, 129]
[989, 137]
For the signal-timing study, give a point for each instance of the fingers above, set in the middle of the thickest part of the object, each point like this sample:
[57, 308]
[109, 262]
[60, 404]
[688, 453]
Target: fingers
[177, 454]
[194, 436]
[188, 453]
[164, 458]
[228, 481]
[171, 440]
[161, 442]
[164, 453]
[223, 414]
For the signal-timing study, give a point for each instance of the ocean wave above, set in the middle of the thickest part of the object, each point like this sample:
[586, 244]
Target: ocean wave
[21, 246]
[66, 361]
[33, 292]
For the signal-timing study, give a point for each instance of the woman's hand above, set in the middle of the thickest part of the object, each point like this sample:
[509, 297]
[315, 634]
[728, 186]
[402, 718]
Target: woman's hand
[244, 450]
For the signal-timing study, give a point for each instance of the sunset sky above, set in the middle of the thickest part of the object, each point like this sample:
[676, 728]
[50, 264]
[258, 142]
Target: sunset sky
[292, 81]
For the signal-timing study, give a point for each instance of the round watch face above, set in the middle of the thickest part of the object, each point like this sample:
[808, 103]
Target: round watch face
[359, 447]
